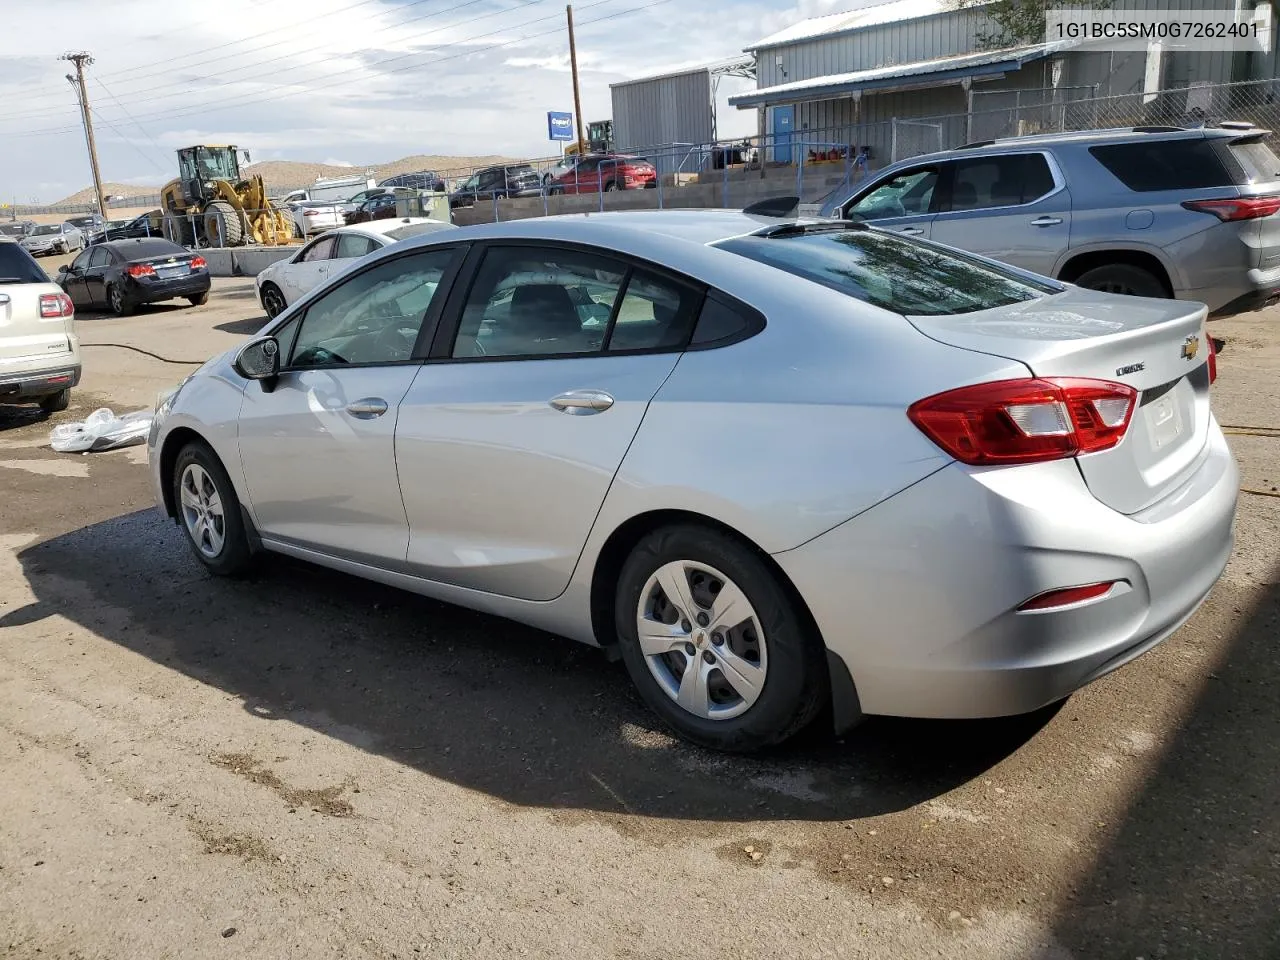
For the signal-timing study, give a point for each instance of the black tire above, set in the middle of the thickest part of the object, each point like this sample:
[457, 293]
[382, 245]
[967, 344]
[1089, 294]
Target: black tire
[119, 302]
[795, 688]
[235, 557]
[177, 229]
[1124, 278]
[273, 301]
[221, 222]
[56, 402]
[610, 187]
[199, 300]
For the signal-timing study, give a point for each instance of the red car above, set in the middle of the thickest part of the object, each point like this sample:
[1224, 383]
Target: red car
[606, 172]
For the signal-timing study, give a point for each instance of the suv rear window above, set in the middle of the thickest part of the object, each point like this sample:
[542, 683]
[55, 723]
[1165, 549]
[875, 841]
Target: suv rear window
[890, 272]
[17, 266]
[1155, 164]
[1256, 159]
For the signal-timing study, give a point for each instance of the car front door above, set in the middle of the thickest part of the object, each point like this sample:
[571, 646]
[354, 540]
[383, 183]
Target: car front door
[586, 176]
[308, 268]
[73, 279]
[1011, 207]
[904, 201]
[318, 449]
[540, 373]
[95, 275]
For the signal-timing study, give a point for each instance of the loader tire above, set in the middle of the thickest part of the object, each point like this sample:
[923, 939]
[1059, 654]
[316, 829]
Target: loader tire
[222, 225]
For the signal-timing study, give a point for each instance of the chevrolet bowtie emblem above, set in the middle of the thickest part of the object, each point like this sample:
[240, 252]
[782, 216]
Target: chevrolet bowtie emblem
[1190, 347]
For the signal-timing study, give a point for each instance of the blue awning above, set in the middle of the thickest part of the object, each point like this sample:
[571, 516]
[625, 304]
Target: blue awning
[925, 73]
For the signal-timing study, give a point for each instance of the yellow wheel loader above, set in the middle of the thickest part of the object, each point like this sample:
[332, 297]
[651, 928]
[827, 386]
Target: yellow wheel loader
[212, 205]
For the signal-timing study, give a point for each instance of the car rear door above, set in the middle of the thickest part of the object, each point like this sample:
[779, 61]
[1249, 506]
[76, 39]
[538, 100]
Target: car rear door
[1011, 207]
[317, 448]
[903, 201]
[512, 432]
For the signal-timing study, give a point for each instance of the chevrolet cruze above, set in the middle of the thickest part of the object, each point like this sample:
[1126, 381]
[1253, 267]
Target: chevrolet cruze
[784, 468]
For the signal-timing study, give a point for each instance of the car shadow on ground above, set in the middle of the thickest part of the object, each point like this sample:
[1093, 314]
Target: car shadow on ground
[141, 310]
[14, 416]
[490, 705]
[1193, 869]
[247, 326]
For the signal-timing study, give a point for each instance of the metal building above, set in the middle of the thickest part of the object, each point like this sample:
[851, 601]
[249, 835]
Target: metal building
[671, 110]
[910, 76]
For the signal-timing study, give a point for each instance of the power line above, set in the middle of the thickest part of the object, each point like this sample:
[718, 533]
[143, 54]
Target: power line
[296, 53]
[125, 109]
[247, 101]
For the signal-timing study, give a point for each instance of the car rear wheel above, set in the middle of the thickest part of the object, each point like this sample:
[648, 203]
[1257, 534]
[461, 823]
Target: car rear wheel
[610, 187]
[714, 643]
[1123, 278]
[56, 402]
[272, 300]
[119, 302]
[210, 511]
[199, 300]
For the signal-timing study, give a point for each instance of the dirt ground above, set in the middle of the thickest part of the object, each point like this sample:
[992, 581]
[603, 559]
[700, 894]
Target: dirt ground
[306, 765]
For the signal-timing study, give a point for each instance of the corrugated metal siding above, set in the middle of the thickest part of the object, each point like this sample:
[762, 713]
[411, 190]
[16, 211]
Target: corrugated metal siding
[667, 110]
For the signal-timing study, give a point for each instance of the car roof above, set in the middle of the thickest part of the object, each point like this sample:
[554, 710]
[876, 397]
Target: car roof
[378, 228]
[124, 245]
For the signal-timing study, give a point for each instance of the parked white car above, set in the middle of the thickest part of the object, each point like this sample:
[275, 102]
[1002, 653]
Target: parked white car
[316, 216]
[286, 281]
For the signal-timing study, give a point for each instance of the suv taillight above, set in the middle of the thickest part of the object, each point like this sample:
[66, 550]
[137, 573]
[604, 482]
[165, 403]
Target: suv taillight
[1026, 421]
[1236, 208]
[54, 305]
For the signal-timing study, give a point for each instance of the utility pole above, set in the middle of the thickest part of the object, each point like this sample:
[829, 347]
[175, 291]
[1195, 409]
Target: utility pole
[81, 60]
[573, 64]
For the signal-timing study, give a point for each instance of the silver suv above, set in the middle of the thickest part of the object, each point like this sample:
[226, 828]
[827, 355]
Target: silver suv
[1146, 211]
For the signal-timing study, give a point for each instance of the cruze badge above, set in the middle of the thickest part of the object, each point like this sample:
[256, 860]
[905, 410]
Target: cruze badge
[1131, 368]
[1190, 347]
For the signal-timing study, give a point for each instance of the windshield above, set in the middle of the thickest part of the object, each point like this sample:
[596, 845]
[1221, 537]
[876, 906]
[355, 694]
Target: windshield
[890, 272]
[216, 164]
[44, 231]
[13, 230]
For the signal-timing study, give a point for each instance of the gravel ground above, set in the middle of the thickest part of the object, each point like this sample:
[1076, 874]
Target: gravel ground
[306, 765]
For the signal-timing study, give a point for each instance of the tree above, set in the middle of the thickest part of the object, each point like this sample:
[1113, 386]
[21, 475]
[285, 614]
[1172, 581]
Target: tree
[1018, 22]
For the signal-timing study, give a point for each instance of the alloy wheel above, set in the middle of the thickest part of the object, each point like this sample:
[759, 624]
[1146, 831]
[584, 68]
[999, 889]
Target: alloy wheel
[273, 302]
[702, 640]
[202, 510]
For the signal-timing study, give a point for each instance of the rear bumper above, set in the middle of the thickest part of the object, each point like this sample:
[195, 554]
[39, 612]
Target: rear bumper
[30, 384]
[168, 289]
[919, 595]
[1263, 289]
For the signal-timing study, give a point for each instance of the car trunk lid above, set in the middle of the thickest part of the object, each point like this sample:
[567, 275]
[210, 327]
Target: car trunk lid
[1158, 347]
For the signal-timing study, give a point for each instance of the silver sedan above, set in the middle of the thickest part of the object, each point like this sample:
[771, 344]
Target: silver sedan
[787, 470]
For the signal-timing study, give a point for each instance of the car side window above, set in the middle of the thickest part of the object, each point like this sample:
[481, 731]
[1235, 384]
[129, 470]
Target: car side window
[1000, 181]
[905, 194]
[99, 257]
[321, 249]
[375, 316]
[352, 245]
[723, 321]
[82, 261]
[538, 301]
[654, 314]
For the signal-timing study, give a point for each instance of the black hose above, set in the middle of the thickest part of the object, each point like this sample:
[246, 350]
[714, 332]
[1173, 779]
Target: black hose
[147, 353]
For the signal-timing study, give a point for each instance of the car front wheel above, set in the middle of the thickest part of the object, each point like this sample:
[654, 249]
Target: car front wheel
[715, 643]
[210, 511]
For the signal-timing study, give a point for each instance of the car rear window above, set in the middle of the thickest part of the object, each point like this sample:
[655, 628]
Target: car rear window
[890, 272]
[1256, 159]
[17, 266]
[1149, 165]
[144, 249]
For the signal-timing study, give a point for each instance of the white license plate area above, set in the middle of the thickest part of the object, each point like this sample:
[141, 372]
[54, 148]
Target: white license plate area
[1164, 420]
[168, 273]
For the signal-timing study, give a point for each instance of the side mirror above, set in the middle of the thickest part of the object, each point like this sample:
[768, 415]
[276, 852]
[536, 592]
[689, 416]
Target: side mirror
[63, 269]
[258, 359]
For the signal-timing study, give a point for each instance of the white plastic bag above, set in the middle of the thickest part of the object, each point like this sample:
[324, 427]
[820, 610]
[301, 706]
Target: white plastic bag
[101, 430]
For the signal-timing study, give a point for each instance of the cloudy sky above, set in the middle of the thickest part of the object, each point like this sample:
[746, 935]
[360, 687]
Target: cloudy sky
[349, 81]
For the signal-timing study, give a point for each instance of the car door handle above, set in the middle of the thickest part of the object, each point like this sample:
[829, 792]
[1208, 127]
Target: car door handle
[1046, 221]
[582, 402]
[370, 408]
[911, 230]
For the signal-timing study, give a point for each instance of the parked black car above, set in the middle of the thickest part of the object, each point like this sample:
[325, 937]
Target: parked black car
[517, 180]
[424, 180]
[123, 274]
[90, 223]
[147, 225]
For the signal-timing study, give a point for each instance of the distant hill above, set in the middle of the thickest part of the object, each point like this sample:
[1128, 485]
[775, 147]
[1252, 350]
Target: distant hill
[293, 174]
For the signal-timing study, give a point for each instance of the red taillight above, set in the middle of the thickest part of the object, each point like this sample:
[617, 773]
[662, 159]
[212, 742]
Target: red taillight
[1213, 360]
[1026, 421]
[199, 263]
[1068, 596]
[1236, 208]
[140, 270]
[56, 305]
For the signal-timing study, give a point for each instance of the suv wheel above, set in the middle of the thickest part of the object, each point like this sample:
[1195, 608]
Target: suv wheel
[1123, 278]
[56, 402]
